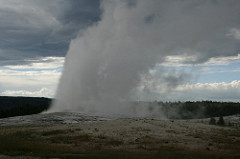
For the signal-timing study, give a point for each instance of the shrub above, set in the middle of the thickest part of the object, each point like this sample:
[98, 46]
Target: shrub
[212, 121]
[221, 121]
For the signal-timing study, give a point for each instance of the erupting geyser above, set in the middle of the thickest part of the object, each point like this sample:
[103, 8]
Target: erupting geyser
[106, 63]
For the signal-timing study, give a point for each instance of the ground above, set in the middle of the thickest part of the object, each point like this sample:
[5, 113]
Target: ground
[121, 138]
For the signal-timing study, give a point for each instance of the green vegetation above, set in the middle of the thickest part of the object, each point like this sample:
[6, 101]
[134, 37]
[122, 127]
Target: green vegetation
[192, 110]
[22, 110]
[212, 121]
[221, 121]
[18, 106]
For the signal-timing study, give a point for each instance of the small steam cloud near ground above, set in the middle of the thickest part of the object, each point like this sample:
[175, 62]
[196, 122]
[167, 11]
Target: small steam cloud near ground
[109, 61]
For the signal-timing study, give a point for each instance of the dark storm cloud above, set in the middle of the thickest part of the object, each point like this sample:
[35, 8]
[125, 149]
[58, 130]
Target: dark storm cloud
[82, 11]
[37, 28]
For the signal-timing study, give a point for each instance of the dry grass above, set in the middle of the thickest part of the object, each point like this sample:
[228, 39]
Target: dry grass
[53, 132]
[132, 139]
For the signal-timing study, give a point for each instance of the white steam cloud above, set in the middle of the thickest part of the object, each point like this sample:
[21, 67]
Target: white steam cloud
[105, 64]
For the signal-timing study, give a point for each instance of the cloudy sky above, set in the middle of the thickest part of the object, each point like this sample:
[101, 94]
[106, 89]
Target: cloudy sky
[35, 37]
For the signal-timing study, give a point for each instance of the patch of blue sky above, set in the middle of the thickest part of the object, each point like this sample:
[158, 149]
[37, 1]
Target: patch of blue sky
[4, 68]
[220, 73]
[218, 77]
[58, 69]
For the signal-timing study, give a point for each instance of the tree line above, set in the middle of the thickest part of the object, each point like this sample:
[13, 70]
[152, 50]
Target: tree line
[193, 109]
[19, 106]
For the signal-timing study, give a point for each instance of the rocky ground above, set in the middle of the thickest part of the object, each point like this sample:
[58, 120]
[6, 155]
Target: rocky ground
[78, 136]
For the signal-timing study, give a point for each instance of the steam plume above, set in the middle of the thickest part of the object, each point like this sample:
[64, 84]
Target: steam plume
[106, 62]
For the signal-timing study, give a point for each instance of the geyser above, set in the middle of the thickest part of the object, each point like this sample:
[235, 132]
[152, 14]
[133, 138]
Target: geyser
[106, 63]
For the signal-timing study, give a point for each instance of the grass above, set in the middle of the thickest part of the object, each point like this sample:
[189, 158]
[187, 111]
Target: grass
[101, 136]
[70, 139]
[53, 132]
[18, 145]
[67, 144]
[113, 142]
[12, 145]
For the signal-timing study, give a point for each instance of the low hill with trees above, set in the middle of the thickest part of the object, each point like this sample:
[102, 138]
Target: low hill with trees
[18, 106]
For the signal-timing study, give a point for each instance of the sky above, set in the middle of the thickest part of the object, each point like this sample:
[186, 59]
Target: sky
[36, 34]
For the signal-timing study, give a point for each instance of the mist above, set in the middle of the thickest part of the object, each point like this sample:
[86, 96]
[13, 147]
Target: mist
[108, 62]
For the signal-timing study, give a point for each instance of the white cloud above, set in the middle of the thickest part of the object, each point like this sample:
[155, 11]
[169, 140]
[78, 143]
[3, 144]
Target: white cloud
[210, 70]
[29, 78]
[41, 73]
[222, 91]
[29, 73]
[43, 63]
[25, 81]
[178, 60]
[235, 33]
[183, 60]
[210, 91]
[44, 92]
[222, 60]
[210, 86]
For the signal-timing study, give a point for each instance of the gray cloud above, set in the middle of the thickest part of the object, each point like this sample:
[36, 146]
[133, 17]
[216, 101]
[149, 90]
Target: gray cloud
[35, 28]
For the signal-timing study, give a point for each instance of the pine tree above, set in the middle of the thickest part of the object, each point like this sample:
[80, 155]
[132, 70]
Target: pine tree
[221, 121]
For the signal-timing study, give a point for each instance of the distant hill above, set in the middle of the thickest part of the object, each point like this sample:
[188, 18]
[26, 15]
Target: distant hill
[18, 106]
